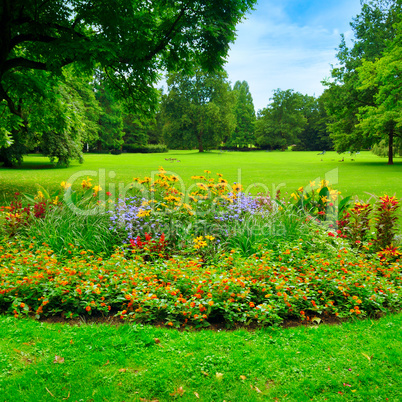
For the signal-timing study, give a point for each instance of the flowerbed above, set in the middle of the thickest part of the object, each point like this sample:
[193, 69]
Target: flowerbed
[161, 253]
[182, 291]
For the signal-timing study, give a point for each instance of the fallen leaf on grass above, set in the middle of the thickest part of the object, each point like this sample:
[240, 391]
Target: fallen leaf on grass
[149, 400]
[205, 373]
[197, 396]
[178, 392]
[71, 342]
[243, 377]
[255, 389]
[157, 340]
[219, 376]
[122, 370]
[106, 363]
[367, 356]
[58, 359]
[316, 319]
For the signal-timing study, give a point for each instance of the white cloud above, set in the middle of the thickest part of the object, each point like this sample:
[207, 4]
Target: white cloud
[276, 49]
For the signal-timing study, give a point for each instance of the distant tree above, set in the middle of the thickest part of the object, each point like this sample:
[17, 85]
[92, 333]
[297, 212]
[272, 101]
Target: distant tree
[373, 28]
[282, 121]
[198, 110]
[315, 135]
[244, 111]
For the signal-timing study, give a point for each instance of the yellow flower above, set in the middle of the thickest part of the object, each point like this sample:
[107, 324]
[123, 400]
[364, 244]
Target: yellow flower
[142, 213]
[324, 183]
[207, 171]
[56, 200]
[219, 174]
[210, 237]
[86, 183]
[237, 187]
[39, 196]
[65, 185]
[312, 184]
[334, 194]
[300, 189]
[295, 196]
[97, 189]
[324, 199]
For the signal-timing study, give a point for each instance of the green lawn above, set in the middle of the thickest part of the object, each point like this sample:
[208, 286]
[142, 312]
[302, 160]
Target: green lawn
[367, 174]
[355, 361]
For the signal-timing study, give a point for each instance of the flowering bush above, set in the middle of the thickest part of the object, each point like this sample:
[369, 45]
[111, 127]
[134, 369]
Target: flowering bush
[319, 201]
[385, 220]
[267, 289]
[16, 216]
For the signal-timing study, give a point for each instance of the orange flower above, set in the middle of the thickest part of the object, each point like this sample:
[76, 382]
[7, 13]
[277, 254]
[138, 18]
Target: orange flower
[88, 308]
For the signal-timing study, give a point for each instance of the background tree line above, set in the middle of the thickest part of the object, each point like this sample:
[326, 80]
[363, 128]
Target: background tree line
[87, 83]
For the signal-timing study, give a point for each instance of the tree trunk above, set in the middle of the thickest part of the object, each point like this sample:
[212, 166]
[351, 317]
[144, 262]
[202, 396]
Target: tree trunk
[200, 146]
[391, 147]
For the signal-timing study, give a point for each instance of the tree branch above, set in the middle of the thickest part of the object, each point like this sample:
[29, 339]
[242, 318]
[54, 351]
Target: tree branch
[29, 38]
[11, 105]
[164, 41]
[22, 62]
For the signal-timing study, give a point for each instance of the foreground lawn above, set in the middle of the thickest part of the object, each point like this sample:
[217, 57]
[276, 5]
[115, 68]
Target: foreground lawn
[366, 174]
[355, 361]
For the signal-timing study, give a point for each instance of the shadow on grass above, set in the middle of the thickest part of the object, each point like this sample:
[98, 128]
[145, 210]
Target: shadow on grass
[31, 166]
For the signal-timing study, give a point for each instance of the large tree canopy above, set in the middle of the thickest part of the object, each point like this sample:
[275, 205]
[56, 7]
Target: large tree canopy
[384, 119]
[131, 40]
[373, 28]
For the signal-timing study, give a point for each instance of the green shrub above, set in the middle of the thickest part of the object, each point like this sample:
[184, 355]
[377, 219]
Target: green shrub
[145, 149]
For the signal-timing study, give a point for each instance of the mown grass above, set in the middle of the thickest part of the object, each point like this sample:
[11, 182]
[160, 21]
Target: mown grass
[365, 175]
[354, 361]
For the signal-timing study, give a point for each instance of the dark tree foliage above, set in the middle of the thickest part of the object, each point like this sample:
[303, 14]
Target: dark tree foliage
[315, 136]
[131, 41]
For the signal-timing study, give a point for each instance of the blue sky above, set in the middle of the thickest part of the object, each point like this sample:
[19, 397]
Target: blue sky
[289, 44]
